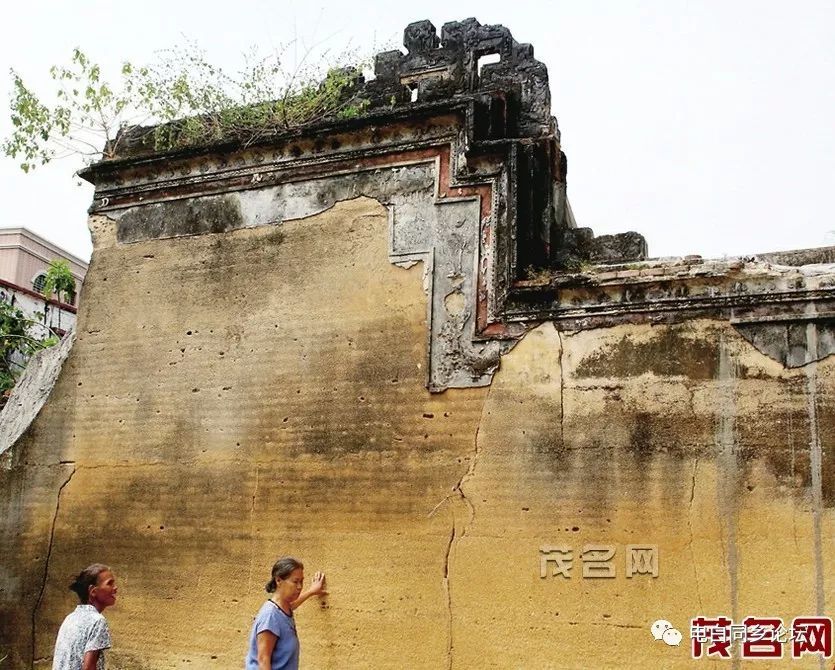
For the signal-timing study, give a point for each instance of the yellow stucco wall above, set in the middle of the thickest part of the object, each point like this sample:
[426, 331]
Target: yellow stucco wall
[238, 396]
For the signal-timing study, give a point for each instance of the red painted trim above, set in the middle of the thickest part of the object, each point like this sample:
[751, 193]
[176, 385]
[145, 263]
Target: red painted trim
[39, 296]
[446, 190]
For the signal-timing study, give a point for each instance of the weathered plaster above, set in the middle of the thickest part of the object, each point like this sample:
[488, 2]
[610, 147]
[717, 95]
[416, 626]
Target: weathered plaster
[442, 233]
[636, 457]
[267, 391]
[300, 408]
[296, 419]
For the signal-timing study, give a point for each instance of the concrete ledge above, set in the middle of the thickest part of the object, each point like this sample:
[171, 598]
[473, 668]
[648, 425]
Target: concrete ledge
[31, 392]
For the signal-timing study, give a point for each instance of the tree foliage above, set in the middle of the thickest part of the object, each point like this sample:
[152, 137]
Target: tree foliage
[185, 99]
[59, 281]
[19, 339]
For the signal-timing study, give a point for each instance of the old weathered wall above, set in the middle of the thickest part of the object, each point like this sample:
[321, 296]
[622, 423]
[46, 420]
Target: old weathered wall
[683, 437]
[382, 344]
[270, 397]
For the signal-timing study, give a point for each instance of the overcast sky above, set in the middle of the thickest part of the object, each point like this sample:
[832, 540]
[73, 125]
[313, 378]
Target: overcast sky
[707, 126]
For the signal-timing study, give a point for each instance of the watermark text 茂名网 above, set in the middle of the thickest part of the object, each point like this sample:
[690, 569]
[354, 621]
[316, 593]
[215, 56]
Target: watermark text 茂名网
[761, 637]
[598, 560]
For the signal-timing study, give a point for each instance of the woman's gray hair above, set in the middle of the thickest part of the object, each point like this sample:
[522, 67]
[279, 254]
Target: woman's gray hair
[281, 570]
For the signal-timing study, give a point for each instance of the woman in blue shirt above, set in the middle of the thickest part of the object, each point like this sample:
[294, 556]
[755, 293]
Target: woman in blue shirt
[273, 643]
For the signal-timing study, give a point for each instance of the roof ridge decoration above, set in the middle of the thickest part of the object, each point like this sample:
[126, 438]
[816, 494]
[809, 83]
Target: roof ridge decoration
[437, 68]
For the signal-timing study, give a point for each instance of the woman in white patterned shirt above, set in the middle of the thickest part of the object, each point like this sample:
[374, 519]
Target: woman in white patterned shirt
[84, 635]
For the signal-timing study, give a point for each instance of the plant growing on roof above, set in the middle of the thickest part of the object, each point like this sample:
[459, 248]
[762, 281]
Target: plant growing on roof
[185, 99]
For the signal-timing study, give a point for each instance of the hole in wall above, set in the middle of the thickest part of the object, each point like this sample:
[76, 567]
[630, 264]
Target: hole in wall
[488, 59]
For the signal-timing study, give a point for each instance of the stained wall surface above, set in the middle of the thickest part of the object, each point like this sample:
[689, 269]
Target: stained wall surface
[236, 396]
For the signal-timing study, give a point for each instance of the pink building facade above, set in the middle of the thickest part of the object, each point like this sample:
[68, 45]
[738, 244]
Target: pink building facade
[24, 260]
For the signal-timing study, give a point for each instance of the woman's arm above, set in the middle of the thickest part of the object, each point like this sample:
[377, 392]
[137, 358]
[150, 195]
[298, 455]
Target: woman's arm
[317, 588]
[266, 643]
[90, 660]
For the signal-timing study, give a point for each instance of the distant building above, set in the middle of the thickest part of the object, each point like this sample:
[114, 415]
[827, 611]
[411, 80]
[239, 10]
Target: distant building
[24, 260]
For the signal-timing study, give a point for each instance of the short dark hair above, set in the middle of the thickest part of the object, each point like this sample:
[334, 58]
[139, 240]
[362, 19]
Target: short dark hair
[281, 570]
[88, 577]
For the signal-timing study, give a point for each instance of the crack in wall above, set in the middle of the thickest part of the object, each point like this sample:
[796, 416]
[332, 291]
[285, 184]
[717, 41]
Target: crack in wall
[790, 437]
[691, 398]
[49, 554]
[252, 529]
[815, 457]
[726, 485]
[562, 389]
[448, 592]
[454, 536]
[690, 529]
[470, 473]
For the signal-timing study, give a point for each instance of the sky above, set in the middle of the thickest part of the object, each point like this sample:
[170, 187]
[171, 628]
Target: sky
[709, 127]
